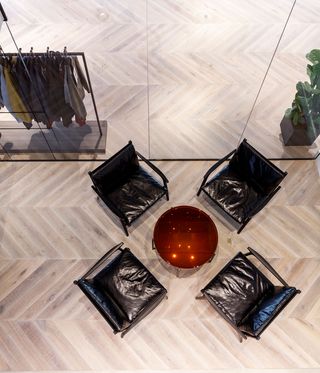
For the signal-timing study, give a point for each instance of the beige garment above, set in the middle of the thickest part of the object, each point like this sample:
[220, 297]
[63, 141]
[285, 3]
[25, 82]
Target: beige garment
[16, 103]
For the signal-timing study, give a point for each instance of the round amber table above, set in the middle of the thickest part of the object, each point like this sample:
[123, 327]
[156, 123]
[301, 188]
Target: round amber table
[185, 237]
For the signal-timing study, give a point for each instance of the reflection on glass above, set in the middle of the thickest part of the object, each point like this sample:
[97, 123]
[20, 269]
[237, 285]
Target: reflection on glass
[50, 93]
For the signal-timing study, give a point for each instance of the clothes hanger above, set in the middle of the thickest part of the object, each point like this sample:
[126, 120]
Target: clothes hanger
[66, 57]
[4, 57]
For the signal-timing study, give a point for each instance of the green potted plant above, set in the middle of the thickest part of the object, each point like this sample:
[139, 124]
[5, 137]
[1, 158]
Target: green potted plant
[301, 123]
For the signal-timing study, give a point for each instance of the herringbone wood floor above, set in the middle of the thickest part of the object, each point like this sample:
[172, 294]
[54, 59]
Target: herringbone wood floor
[52, 228]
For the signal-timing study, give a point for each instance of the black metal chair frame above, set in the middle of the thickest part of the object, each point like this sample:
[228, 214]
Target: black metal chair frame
[102, 260]
[259, 206]
[272, 270]
[123, 219]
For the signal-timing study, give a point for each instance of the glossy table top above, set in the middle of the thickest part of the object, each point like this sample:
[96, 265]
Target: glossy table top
[185, 237]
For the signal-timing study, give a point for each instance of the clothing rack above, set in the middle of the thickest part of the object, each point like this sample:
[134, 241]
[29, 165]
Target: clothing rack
[64, 53]
[95, 143]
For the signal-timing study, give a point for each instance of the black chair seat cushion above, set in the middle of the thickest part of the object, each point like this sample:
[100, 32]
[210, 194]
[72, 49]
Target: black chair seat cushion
[129, 284]
[136, 194]
[271, 305]
[237, 288]
[106, 306]
[233, 194]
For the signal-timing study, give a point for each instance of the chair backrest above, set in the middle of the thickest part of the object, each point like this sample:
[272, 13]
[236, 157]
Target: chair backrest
[257, 170]
[115, 170]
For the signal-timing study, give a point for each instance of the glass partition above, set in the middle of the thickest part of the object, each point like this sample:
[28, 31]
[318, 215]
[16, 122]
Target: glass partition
[218, 75]
[48, 106]
[182, 79]
[207, 62]
[271, 131]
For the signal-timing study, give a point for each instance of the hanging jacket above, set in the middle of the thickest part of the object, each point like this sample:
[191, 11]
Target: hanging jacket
[74, 91]
[1, 99]
[15, 100]
[80, 73]
[7, 90]
[55, 78]
[4, 91]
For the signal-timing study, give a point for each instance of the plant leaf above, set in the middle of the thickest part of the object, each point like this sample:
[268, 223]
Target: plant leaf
[295, 118]
[309, 69]
[317, 121]
[288, 112]
[301, 88]
[315, 76]
[314, 56]
[307, 87]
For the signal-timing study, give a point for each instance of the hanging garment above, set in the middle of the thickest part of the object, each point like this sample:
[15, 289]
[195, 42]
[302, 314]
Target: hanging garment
[45, 88]
[11, 97]
[1, 99]
[74, 91]
[22, 85]
[55, 77]
[80, 73]
[15, 87]
[16, 102]
[4, 92]
[38, 88]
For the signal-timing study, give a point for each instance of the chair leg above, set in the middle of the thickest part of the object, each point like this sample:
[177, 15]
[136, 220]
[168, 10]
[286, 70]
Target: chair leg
[210, 260]
[199, 191]
[125, 227]
[243, 225]
[167, 194]
[124, 333]
[200, 296]
[241, 336]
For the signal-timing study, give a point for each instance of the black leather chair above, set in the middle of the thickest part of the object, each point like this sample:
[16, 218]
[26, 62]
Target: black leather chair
[244, 186]
[245, 297]
[127, 188]
[121, 288]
